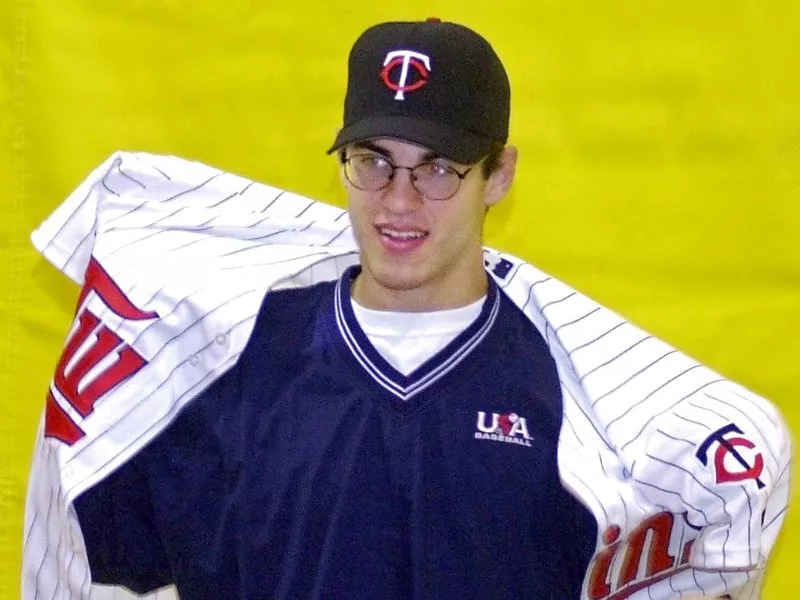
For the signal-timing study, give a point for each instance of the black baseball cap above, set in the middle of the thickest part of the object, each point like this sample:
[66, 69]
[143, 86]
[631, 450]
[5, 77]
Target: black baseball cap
[432, 83]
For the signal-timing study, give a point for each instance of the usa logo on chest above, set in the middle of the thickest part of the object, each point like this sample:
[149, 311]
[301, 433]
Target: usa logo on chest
[509, 428]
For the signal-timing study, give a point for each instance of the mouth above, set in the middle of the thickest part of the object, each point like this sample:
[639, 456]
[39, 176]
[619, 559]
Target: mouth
[401, 240]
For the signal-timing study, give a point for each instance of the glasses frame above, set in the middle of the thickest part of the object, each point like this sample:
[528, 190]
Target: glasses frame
[393, 167]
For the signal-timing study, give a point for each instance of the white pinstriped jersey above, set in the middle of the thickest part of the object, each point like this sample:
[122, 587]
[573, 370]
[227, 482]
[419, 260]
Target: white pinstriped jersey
[686, 472]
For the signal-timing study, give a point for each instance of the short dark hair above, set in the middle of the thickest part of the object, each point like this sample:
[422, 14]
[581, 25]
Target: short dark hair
[492, 161]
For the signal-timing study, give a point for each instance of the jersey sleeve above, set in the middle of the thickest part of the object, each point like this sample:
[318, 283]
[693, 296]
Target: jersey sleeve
[692, 441]
[722, 457]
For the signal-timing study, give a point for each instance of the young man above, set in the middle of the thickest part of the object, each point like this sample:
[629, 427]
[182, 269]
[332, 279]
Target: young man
[394, 421]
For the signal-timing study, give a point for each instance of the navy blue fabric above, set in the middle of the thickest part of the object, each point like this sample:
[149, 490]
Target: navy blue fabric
[298, 475]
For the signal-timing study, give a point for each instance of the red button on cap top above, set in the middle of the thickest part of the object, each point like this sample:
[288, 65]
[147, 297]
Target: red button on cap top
[434, 20]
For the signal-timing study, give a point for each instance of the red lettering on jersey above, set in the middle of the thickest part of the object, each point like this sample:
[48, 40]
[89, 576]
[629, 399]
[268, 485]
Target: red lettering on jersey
[57, 423]
[605, 582]
[601, 566]
[97, 280]
[70, 379]
[686, 554]
[659, 529]
[106, 342]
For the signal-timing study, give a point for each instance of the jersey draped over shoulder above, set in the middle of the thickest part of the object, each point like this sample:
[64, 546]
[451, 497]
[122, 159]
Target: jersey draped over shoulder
[686, 472]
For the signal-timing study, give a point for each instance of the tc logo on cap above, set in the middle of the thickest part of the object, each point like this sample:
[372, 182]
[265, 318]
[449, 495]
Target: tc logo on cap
[405, 58]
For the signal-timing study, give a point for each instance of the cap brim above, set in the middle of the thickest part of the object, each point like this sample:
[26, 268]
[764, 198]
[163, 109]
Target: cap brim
[456, 144]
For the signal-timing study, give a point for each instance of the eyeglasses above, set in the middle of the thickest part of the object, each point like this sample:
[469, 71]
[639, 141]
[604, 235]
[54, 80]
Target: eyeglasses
[434, 179]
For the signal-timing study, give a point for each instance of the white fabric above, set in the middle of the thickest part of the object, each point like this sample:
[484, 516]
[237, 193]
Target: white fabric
[408, 339]
[194, 250]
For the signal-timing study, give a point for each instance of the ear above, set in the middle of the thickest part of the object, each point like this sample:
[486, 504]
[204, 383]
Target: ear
[499, 182]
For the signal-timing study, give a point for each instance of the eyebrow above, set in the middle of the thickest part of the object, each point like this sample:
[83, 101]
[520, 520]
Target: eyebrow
[372, 147]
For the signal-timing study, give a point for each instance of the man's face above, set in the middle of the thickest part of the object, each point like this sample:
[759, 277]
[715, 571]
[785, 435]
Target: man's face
[418, 253]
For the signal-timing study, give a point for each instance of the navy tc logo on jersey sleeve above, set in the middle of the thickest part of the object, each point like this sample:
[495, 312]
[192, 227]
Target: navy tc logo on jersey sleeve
[729, 463]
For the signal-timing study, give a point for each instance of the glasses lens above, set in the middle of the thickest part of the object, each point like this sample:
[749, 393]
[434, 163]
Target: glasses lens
[436, 181]
[368, 172]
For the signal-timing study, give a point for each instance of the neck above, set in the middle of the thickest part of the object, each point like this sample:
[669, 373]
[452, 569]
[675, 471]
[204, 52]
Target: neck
[371, 293]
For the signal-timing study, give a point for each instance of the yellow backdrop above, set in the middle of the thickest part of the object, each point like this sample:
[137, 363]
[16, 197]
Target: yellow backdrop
[660, 160]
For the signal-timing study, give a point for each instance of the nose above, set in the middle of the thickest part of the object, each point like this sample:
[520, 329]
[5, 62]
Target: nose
[400, 195]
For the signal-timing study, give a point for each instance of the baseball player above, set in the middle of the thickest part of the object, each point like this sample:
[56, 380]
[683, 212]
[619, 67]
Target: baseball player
[263, 396]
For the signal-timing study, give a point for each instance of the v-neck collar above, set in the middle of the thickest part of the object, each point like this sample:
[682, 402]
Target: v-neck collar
[384, 374]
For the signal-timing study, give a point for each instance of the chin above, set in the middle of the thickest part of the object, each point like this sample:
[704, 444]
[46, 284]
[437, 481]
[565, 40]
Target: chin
[391, 279]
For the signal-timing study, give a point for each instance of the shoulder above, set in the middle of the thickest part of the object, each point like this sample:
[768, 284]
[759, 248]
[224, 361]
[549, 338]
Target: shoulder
[286, 314]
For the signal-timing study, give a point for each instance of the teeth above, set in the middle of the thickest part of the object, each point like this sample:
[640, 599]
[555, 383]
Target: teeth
[402, 234]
